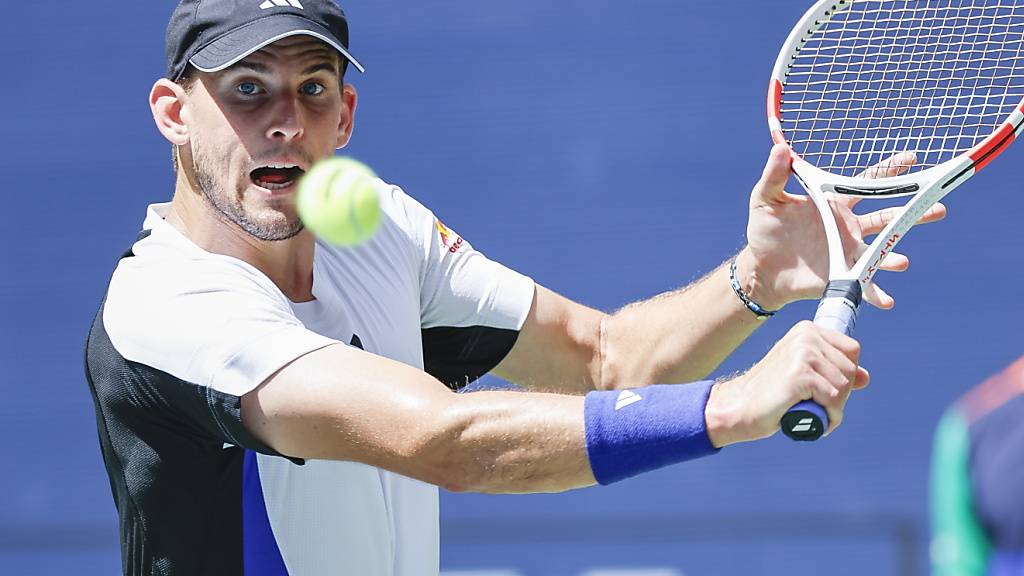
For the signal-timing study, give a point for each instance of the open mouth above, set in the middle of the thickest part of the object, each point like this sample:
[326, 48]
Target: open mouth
[277, 176]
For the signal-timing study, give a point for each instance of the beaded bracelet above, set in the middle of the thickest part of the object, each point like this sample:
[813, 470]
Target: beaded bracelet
[754, 307]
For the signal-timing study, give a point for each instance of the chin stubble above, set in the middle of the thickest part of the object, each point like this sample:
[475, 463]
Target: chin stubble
[231, 207]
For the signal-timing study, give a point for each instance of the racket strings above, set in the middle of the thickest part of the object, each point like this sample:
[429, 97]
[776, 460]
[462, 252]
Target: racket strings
[933, 77]
[840, 47]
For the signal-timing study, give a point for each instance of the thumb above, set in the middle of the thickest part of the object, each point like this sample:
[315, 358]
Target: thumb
[770, 189]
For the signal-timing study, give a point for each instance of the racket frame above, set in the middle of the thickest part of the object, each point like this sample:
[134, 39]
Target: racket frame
[927, 186]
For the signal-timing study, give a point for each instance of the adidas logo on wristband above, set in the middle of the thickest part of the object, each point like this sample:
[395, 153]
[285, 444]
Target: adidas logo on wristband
[627, 397]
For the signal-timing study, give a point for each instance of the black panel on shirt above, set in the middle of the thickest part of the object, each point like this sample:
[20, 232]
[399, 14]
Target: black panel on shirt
[458, 356]
[178, 491]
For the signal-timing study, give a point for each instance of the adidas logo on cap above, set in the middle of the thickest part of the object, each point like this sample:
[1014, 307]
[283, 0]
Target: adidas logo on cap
[282, 3]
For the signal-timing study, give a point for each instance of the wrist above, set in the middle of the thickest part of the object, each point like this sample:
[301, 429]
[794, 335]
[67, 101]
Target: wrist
[722, 417]
[755, 282]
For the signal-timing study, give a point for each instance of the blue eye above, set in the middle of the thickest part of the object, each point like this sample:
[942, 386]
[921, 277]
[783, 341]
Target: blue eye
[313, 89]
[248, 88]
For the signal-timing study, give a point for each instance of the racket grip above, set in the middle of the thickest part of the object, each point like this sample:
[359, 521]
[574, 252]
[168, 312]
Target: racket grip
[838, 307]
[837, 310]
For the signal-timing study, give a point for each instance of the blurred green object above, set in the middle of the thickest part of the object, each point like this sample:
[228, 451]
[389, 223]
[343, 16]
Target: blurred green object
[959, 545]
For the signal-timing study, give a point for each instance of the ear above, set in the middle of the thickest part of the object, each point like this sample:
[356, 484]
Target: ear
[348, 115]
[166, 100]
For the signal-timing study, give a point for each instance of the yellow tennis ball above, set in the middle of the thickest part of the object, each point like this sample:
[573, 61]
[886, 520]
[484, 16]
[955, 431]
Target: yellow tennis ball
[338, 201]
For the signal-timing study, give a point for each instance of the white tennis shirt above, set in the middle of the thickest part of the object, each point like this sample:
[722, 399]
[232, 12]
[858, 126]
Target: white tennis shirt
[184, 333]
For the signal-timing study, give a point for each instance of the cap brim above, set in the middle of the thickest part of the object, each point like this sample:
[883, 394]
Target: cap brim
[237, 44]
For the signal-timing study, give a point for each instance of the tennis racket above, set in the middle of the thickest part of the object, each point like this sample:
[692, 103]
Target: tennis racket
[864, 88]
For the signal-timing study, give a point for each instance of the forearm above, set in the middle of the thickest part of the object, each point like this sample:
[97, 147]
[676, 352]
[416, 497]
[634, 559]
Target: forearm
[395, 417]
[557, 349]
[510, 442]
[680, 336]
[507, 442]
[340, 403]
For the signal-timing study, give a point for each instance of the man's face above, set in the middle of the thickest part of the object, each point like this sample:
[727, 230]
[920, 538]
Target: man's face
[257, 126]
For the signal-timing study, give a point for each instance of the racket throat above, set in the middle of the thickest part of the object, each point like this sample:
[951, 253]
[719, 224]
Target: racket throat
[867, 191]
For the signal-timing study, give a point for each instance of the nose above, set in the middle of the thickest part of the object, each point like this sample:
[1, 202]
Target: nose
[287, 121]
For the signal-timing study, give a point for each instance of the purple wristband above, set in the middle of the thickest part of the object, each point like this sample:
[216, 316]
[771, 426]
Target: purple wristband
[629, 432]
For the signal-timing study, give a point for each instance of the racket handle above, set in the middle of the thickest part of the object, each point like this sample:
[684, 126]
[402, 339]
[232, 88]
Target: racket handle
[837, 310]
[838, 307]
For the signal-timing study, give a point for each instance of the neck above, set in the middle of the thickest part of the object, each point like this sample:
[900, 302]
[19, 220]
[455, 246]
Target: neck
[288, 263]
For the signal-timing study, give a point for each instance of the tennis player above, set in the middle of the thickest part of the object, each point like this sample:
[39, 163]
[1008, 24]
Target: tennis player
[977, 474]
[268, 404]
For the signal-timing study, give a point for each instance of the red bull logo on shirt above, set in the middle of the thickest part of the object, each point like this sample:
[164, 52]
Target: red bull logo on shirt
[452, 241]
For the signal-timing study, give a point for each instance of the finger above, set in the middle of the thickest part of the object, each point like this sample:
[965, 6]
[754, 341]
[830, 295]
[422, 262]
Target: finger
[875, 222]
[877, 297]
[847, 200]
[770, 188]
[831, 400]
[863, 378]
[845, 344]
[838, 368]
[835, 418]
[894, 262]
[892, 166]
[838, 371]
[834, 401]
[934, 214]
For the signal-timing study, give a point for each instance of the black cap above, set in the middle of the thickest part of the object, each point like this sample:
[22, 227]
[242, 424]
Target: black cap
[214, 34]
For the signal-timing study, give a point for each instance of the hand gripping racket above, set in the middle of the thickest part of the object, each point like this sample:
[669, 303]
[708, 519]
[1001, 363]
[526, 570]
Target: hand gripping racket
[859, 82]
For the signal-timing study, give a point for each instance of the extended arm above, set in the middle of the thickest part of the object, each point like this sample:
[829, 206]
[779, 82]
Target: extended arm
[341, 403]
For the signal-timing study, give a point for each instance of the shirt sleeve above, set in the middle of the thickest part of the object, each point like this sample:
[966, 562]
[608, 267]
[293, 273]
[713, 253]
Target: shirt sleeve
[959, 544]
[219, 323]
[471, 308]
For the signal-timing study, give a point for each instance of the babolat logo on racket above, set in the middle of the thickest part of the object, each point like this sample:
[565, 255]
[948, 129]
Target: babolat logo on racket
[803, 425]
[281, 4]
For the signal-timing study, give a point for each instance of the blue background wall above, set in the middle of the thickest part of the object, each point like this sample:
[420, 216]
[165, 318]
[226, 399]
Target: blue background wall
[605, 148]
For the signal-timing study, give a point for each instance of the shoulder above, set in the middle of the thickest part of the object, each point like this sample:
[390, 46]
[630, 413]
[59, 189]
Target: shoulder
[156, 277]
[408, 214]
[167, 297]
[409, 234]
